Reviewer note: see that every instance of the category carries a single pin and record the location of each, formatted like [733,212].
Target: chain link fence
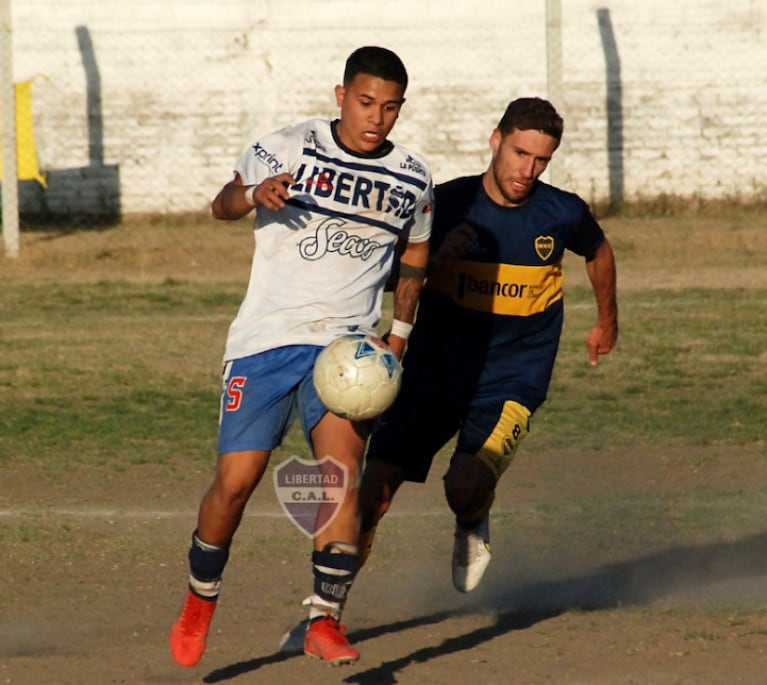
[143,106]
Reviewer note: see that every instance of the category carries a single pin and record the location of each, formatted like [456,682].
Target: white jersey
[321,262]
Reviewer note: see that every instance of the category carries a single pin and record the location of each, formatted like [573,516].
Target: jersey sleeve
[422,218]
[588,234]
[273,154]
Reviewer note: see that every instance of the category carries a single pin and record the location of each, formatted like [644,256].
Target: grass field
[121,359]
[630,539]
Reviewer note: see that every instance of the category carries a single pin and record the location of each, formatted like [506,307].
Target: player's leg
[471,479]
[380,482]
[470,490]
[220,513]
[237,475]
[404,443]
[402,448]
[257,406]
[334,559]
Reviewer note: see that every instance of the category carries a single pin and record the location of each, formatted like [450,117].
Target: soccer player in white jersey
[335,201]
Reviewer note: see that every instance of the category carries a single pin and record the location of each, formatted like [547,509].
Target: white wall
[179,87]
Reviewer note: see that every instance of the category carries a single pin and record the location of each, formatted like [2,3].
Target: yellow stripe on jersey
[500,448]
[504,289]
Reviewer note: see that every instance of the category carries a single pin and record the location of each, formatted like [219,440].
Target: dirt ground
[94,567]
[96,574]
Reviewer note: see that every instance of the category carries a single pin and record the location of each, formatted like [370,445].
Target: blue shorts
[262,394]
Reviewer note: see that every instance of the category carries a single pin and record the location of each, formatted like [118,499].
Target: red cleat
[189,632]
[325,640]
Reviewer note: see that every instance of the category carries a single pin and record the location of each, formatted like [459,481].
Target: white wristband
[250,195]
[401,329]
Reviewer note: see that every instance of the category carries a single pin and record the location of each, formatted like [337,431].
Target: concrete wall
[145,104]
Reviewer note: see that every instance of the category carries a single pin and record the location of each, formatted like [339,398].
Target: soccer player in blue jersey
[480,357]
[334,202]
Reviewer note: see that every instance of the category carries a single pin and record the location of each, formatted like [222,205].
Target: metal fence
[141,106]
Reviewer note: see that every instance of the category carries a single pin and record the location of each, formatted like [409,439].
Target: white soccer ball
[357,376]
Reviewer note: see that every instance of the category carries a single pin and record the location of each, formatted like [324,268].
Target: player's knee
[231,489]
[469,487]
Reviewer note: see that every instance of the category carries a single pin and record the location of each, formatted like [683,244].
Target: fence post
[10,190]
[554,75]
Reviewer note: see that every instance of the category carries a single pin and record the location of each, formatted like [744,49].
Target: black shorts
[421,422]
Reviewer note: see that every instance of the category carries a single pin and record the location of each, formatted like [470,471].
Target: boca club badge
[310,492]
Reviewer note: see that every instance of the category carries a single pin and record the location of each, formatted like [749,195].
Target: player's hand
[272,193]
[454,246]
[601,340]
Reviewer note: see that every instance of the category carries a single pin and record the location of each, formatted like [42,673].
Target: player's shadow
[243,667]
[635,582]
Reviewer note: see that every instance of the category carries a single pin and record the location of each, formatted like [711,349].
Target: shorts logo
[310,492]
[234,388]
[544,246]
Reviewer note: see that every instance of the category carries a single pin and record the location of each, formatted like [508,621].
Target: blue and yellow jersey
[492,320]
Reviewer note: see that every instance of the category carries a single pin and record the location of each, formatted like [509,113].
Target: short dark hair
[378,62]
[538,114]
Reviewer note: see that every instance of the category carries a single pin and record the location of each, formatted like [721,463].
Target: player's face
[519,158]
[369,109]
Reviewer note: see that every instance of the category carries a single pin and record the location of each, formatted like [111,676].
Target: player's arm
[412,271]
[602,274]
[236,199]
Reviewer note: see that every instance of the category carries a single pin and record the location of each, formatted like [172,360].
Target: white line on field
[86,513]
[632,305]
[196,318]
[110,513]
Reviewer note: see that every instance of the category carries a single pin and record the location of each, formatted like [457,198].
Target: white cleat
[292,642]
[471,554]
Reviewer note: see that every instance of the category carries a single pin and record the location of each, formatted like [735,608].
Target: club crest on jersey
[310,492]
[544,246]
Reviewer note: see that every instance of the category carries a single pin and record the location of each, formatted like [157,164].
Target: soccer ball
[357,376]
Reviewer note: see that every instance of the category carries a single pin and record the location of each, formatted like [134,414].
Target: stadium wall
[144,105]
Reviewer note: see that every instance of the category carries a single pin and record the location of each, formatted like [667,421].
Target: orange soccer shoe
[189,632]
[325,640]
